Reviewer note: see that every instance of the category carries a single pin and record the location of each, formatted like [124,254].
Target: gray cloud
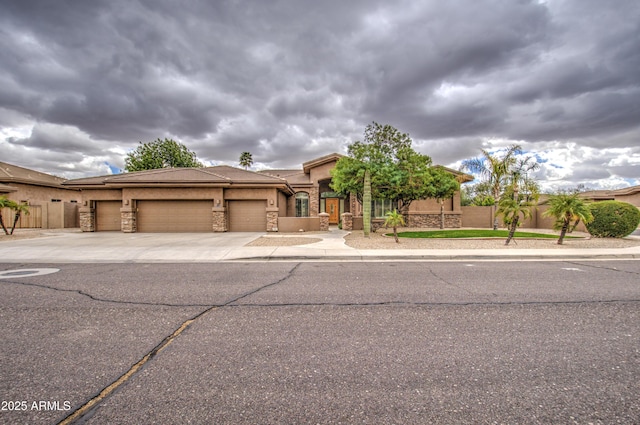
[291,80]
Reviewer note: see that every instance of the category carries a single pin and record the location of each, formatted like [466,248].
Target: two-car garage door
[196,216]
[175,216]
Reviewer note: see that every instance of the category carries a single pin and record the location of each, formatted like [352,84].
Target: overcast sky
[82,82]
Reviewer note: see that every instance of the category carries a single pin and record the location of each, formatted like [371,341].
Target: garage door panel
[247,216]
[175,216]
[108,216]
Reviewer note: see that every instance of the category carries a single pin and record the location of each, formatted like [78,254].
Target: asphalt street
[321,342]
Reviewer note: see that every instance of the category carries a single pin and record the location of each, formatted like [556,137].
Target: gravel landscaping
[283,241]
[379,240]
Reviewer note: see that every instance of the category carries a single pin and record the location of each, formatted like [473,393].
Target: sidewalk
[116,247]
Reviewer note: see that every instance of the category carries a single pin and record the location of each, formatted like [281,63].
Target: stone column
[87,219]
[347,221]
[324,222]
[219,219]
[128,218]
[272,219]
[314,201]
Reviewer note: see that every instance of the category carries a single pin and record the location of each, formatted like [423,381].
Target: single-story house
[51,205]
[630,195]
[224,198]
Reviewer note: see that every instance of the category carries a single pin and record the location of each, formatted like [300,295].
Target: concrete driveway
[117,247]
[63,247]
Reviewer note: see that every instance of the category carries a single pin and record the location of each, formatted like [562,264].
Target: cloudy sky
[82,82]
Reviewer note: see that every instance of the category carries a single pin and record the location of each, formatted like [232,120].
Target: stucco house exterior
[630,195]
[224,198]
[51,205]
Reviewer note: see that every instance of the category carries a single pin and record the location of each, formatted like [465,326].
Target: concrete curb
[435,257]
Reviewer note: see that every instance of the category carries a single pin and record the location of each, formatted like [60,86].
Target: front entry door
[333,208]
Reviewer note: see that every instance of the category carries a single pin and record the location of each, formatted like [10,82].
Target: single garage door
[108,216]
[175,216]
[247,216]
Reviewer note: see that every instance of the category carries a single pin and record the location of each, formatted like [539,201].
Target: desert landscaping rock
[379,240]
[283,241]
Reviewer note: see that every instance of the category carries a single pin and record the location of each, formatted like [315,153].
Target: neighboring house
[51,205]
[630,195]
[224,198]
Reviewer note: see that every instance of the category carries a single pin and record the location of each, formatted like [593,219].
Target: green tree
[478,194]
[512,209]
[19,209]
[246,160]
[160,154]
[394,219]
[444,187]
[397,171]
[496,171]
[366,199]
[4,203]
[568,209]
[613,219]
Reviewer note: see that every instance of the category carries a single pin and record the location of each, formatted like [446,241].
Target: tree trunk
[573,226]
[366,204]
[15,221]
[563,231]
[6,232]
[512,229]
[442,213]
[495,215]
[395,234]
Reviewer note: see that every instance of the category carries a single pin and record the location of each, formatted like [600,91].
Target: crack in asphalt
[105,300]
[594,266]
[437,304]
[442,279]
[85,411]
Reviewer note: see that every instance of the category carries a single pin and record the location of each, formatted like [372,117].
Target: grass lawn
[473,233]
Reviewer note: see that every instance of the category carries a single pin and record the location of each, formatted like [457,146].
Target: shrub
[613,219]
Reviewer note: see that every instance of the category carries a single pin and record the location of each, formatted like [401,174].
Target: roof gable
[332,157]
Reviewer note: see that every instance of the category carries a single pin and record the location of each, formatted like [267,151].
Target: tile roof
[221,174]
[607,193]
[292,176]
[13,174]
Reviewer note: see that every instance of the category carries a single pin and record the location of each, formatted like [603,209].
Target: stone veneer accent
[353,202]
[324,222]
[272,219]
[128,220]
[219,219]
[451,220]
[347,221]
[314,201]
[87,219]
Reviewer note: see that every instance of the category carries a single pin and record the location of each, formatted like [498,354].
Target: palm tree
[4,203]
[366,204]
[568,209]
[394,219]
[246,159]
[512,208]
[19,209]
[495,170]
